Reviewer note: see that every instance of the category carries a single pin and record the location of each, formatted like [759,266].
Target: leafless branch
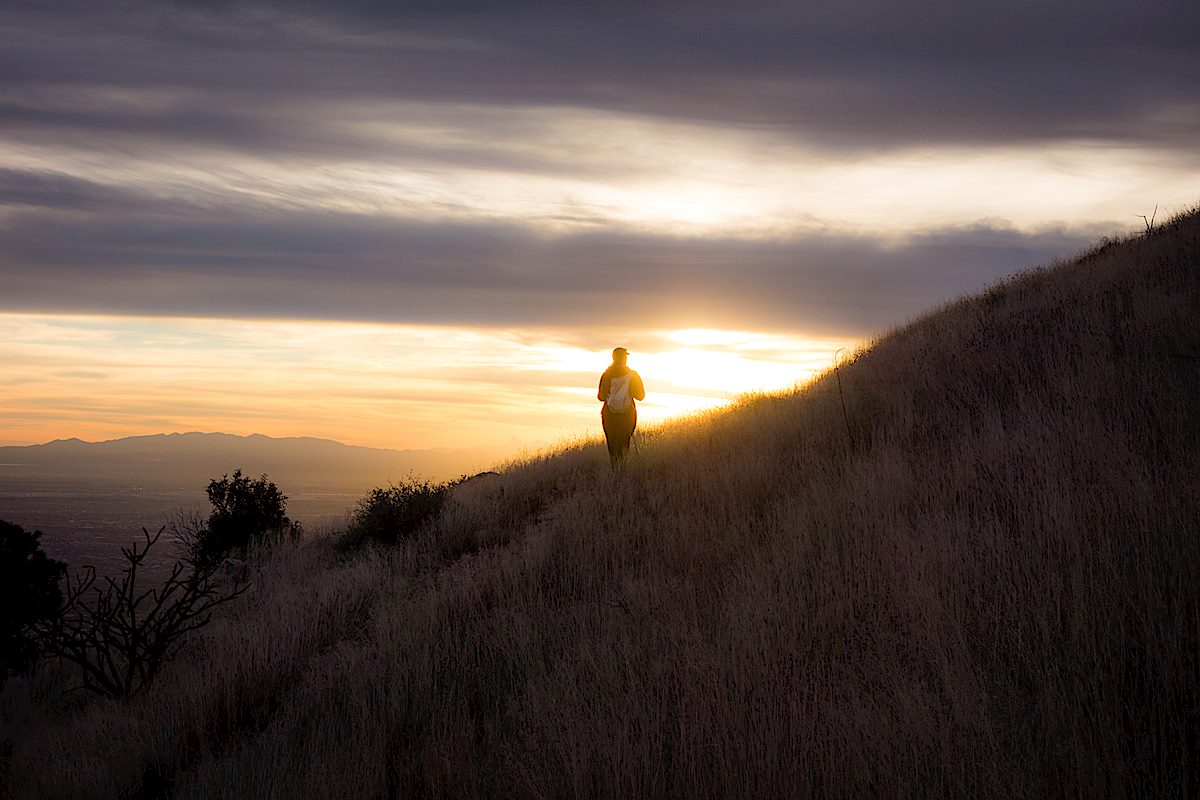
[1150,222]
[123,636]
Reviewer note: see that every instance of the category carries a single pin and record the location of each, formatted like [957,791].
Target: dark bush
[29,594]
[395,513]
[245,511]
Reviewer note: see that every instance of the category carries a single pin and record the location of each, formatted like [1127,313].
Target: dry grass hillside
[989,586]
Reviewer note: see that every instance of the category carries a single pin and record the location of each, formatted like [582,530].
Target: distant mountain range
[190,460]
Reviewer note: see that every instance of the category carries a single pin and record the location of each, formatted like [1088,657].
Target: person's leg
[612,436]
[629,425]
[624,433]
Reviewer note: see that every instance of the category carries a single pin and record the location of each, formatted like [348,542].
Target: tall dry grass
[994,592]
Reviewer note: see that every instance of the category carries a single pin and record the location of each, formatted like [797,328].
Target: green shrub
[245,511]
[29,593]
[395,513]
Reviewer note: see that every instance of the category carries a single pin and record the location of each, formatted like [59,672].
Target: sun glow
[703,336]
[717,366]
[397,386]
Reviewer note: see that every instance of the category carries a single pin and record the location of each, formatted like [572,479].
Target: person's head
[620,356]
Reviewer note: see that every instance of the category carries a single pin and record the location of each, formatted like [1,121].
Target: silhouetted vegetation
[245,512]
[29,595]
[388,515]
[119,636]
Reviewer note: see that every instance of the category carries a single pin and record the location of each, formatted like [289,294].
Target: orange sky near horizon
[424,226]
[398,386]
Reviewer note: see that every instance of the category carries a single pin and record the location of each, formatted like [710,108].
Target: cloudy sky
[420,224]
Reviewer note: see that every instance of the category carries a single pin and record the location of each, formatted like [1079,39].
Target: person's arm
[638,389]
[605,386]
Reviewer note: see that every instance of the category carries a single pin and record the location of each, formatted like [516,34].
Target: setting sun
[721,365]
[384,385]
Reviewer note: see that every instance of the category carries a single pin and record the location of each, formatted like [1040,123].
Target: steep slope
[980,580]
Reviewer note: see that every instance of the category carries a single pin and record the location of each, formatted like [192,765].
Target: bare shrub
[119,636]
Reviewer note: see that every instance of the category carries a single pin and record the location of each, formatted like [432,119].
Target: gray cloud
[844,76]
[275,80]
[143,257]
[25,188]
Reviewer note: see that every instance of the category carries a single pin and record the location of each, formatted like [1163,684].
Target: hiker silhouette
[620,387]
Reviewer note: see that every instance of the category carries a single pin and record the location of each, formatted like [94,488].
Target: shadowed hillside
[983,581]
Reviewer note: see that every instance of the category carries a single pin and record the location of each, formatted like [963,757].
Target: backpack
[619,399]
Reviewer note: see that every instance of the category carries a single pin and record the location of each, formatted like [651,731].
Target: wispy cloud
[140,259]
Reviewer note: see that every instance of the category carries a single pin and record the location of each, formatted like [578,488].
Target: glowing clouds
[564,170]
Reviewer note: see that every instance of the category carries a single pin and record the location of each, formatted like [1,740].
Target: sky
[427,224]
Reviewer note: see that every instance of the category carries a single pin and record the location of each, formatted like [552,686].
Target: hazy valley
[91,498]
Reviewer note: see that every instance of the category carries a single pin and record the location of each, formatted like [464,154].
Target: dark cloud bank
[145,256]
[854,74]
[849,77]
